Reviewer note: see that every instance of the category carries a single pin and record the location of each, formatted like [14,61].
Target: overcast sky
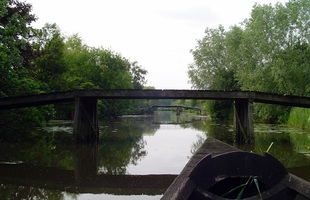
[158,34]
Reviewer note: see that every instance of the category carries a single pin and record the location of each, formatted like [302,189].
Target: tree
[214,66]
[15,30]
[268,52]
[50,63]
[16,58]
[274,53]
[275,37]
[138,75]
[98,68]
[41,60]
[209,57]
[16,52]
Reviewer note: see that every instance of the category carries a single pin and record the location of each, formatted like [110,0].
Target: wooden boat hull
[236,174]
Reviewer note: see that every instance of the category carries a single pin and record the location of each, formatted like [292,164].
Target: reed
[299,117]
[249,182]
[242,187]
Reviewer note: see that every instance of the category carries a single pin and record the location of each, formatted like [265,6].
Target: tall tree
[16,58]
[138,75]
[92,68]
[50,61]
[210,62]
[215,66]
[268,52]
[275,37]
[16,52]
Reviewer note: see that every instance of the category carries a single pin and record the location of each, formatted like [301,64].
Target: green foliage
[43,60]
[138,75]
[268,52]
[16,57]
[271,113]
[50,62]
[215,66]
[221,110]
[15,32]
[15,49]
[98,68]
[212,70]
[299,117]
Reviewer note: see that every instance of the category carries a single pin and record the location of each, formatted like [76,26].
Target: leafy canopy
[268,52]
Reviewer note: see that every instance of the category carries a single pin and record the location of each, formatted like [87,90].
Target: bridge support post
[243,121]
[86,127]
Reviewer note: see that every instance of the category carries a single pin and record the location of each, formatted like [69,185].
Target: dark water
[45,164]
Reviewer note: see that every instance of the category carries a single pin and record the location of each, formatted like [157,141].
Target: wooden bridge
[178,109]
[86,116]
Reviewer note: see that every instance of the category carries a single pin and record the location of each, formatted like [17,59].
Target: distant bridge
[178,109]
[86,116]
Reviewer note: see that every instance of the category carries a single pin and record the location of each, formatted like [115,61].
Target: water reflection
[122,143]
[168,150]
[169,117]
[45,164]
[8,191]
[290,146]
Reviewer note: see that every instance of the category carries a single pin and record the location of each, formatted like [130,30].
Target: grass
[299,117]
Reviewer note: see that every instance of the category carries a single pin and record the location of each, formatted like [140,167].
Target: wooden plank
[298,184]
[210,146]
[36,100]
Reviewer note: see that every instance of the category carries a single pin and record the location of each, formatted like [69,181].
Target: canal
[131,145]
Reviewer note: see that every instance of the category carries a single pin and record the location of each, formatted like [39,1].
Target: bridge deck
[69,96]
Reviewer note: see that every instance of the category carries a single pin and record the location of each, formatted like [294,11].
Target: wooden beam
[86,127]
[243,121]
[58,97]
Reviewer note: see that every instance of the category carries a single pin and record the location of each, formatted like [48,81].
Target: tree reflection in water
[121,144]
[8,191]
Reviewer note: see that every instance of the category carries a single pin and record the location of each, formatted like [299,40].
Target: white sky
[157,33]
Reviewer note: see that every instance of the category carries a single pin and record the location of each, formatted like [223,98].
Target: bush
[221,110]
[300,117]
